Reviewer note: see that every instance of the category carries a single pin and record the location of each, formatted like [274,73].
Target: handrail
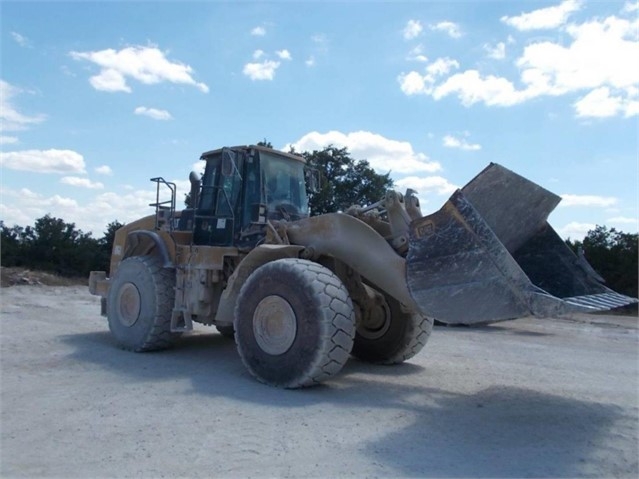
[160,206]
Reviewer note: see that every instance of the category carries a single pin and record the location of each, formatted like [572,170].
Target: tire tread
[337,329]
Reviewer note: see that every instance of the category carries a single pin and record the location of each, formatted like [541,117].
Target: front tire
[395,335]
[294,323]
[139,304]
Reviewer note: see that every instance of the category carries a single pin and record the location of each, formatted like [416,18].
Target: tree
[12,241]
[60,247]
[614,255]
[345,181]
[106,245]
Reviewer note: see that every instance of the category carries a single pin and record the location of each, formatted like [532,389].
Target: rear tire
[399,337]
[294,323]
[140,302]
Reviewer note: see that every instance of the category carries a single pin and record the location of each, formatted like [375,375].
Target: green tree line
[613,254]
[56,246]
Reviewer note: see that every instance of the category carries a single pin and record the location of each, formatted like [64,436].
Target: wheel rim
[274,325]
[376,323]
[129,304]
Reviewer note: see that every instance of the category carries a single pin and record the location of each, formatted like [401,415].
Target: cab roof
[292,156]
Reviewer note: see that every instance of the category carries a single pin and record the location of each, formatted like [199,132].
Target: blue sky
[98,97]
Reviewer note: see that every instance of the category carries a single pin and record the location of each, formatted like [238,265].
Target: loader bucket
[489,254]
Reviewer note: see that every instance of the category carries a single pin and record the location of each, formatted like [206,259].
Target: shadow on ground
[495,432]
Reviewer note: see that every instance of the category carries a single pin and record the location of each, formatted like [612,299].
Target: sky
[98,97]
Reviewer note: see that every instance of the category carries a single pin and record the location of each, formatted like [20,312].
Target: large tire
[394,338]
[294,323]
[139,304]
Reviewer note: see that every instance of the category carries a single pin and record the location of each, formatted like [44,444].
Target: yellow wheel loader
[300,294]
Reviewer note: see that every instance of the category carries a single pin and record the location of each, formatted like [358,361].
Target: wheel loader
[302,293]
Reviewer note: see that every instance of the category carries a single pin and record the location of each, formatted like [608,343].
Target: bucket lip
[601,301]
[499,167]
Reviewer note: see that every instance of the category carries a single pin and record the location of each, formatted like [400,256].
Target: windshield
[284,186]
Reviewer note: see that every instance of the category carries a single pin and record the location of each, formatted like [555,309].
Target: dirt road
[526,398]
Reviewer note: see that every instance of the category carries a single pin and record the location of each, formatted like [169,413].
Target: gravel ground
[525,398]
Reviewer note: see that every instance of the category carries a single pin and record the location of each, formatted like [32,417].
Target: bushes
[613,255]
[56,246]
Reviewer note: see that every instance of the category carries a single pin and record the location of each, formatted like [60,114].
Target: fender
[357,245]
[140,242]
[139,238]
[257,257]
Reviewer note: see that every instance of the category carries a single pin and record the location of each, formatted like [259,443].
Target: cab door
[217,215]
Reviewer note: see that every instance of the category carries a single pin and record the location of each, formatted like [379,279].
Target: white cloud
[544,18]
[148,65]
[81,182]
[497,52]
[599,103]
[8,140]
[258,31]
[600,60]
[44,161]
[412,29]
[104,170]
[428,184]
[261,71]
[471,88]
[110,80]
[257,54]
[310,61]
[450,141]
[442,66]
[630,7]
[575,230]
[603,53]
[24,207]
[10,118]
[417,54]
[450,28]
[382,153]
[21,40]
[283,54]
[414,83]
[153,113]
[587,200]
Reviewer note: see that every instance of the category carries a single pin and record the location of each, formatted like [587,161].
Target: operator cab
[242,188]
